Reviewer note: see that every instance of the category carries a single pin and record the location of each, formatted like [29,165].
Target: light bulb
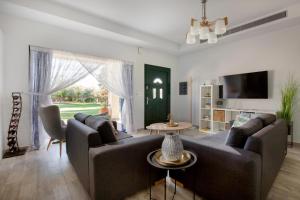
[203,33]
[195,27]
[220,27]
[190,39]
[212,38]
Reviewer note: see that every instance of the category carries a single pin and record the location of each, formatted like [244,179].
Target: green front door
[157,94]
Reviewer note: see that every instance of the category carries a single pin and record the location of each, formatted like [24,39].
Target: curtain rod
[81,54]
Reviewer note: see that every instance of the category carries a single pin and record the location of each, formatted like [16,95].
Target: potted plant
[288,103]
[104,109]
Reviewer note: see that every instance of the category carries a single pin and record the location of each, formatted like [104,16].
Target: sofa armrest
[79,138]
[222,172]
[121,169]
[271,143]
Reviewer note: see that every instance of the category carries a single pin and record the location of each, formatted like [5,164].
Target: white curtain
[40,64]
[116,76]
[50,71]
[66,70]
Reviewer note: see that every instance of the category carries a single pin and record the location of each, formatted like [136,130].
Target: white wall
[1,93]
[277,52]
[20,33]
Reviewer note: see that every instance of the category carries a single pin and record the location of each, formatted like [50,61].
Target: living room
[152,34]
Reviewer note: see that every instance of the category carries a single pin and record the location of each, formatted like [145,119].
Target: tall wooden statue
[12,138]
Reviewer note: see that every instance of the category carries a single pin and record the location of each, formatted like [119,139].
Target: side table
[163,127]
[154,163]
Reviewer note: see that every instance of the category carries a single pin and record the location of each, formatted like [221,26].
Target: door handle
[147,100]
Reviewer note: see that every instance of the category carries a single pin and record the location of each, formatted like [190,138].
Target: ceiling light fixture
[206,30]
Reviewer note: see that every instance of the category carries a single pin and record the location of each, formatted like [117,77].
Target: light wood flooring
[42,175]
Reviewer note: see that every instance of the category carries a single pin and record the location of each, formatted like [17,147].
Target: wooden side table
[163,127]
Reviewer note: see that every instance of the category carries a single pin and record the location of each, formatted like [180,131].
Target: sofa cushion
[267,119]
[238,136]
[103,126]
[93,121]
[81,117]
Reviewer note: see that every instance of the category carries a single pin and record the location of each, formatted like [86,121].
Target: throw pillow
[115,131]
[267,119]
[238,136]
[241,120]
[103,126]
[107,132]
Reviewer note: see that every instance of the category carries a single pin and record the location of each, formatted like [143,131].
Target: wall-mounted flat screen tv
[246,86]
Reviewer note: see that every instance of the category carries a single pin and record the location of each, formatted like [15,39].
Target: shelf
[204,130]
[219,130]
[206,108]
[207,120]
[221,122]
[206,97]
[244,110]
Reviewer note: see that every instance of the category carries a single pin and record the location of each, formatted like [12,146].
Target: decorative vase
[172,147]
[104,110]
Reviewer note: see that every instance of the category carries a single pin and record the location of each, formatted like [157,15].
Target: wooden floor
[42,175]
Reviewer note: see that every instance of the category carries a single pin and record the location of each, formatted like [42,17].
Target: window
[89,97]
[154,93]
[157,81]
[161,93]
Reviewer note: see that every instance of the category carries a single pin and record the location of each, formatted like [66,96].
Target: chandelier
[206,30]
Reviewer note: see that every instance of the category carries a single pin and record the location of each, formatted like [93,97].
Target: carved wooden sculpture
[12,138]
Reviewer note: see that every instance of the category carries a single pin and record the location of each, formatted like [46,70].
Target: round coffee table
[158,127]
[153,163]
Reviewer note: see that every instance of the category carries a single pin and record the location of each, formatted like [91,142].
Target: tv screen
[246,86]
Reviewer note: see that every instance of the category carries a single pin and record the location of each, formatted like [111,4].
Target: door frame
[168,96]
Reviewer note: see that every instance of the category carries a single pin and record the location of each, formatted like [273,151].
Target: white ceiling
[153,24]
[169,19]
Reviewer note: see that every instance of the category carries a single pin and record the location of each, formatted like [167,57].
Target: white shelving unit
[213,119]
[224,123]
[207,101]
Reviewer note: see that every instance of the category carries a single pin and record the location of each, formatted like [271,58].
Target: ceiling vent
[253,24]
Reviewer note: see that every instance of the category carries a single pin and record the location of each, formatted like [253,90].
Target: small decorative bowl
[186,157]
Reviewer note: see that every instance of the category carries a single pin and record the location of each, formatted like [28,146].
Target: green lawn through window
[67,110]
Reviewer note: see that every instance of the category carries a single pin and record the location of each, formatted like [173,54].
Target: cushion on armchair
[238,136]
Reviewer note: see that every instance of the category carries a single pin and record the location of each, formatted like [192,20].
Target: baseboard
[295,144]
